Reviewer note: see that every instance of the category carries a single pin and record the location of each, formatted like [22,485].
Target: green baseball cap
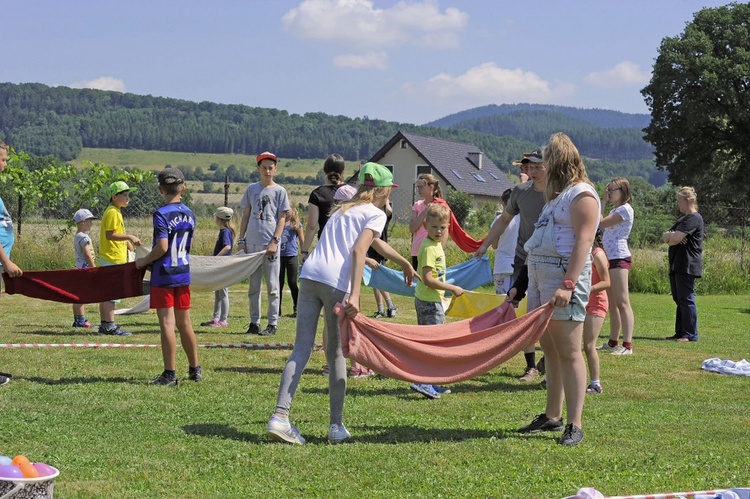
[118,187]
[377,175]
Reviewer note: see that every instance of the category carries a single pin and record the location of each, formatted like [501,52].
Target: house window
[478,177]
[390,168]
[458,175]
[404,145]
[494,176]
[426,169]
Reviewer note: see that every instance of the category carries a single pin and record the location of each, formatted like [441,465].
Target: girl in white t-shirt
[333,274]
[617,226]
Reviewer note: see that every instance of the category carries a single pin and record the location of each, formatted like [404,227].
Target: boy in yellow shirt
[114,244]
[428,297]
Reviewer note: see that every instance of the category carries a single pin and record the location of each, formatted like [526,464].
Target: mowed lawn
[662,424]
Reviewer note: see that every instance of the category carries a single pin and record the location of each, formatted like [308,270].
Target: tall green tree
[699,96]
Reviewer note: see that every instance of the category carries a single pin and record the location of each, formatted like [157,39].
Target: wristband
[241,240]
[305,252]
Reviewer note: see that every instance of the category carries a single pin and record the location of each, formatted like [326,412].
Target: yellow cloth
[112,251]
[471,304]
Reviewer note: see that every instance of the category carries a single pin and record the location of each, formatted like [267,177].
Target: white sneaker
[606,346]
[338,433]
[621,350]
[279,429]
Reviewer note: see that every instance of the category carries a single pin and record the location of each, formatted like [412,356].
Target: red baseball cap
[266,155]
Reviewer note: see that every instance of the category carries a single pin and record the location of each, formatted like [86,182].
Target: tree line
[44,120]
[60,121]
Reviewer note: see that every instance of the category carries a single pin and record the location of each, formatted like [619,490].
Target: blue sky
[410,61]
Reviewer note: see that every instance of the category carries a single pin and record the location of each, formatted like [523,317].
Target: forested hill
[604,118]
[44,120]
[598,133]
[538,125]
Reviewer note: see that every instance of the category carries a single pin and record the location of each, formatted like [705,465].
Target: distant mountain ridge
[601,117]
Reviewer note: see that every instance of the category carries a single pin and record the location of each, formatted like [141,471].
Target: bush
[460,204]
[481,218]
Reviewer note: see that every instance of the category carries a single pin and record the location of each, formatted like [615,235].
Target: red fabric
[445,353]
[91,285]
[463,240]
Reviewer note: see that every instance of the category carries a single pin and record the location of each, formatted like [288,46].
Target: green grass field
[661,424]
[156,160]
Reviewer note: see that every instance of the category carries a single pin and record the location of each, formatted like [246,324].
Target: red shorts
[598,304]
[179,297]
[621,263]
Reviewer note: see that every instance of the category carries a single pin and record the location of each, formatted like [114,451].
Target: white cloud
[488,84]
[358,24]
[370,60]
[102,83]
[625,73]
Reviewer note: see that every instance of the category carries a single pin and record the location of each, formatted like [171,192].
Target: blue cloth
[469,275]
[741,368]
[174,222]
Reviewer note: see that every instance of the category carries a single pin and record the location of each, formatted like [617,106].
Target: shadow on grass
[221,431]
[742,310]
[399,434]
[82,380]
[251,370]
[85,335]
[404,392]
[659,338]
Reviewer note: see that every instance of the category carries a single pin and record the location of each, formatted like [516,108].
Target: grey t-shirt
[266,205]
[80,240]
[527,201]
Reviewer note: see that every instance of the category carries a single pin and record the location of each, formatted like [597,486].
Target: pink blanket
[441,354]
[92,285]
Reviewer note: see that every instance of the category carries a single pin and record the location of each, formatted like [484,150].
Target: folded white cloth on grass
[207,273]
[741,368]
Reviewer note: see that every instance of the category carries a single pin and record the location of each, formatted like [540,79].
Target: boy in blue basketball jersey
[169,259]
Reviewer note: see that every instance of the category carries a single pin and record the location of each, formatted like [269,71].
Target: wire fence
[723,221]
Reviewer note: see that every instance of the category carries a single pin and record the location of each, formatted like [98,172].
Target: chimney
[476,159]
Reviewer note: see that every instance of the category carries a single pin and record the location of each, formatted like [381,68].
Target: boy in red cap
[265,205]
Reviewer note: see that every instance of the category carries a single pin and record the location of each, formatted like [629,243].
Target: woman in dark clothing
[685,240]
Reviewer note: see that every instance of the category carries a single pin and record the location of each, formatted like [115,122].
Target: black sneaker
[4,380]
[268,331]
[542,423]
[392,312]
[163,380]
[378,315]
[253,329]
[195,374]
[115,331]
[572,435]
